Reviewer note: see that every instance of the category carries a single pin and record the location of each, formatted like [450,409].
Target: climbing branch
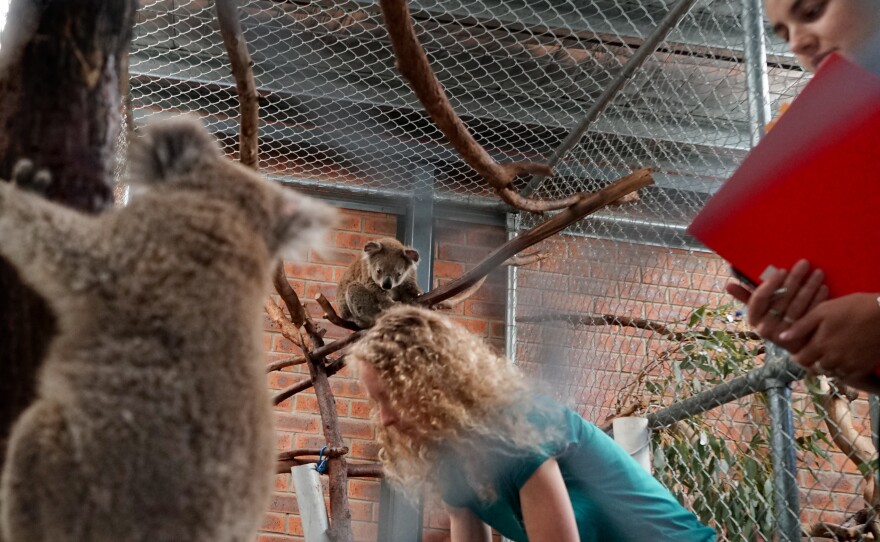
[513,261]
[586,205]
[242,72]
[661,329]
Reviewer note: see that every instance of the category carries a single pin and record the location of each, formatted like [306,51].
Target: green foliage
[726,479]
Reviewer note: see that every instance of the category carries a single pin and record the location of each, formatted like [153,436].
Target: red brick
[284,503]
[282,482]
[279,380]
[482,309]
[355,241]
[273,522]
[446,232]
[308,271]
[364,532]
[356,429]
[278,538]
[486,236]
[365,490]
[361,510]
[297,422]
[365,449]
[474,325]
[462,253]
[360,409]
[306,402]
[382,226]
[444,269]
[348,221]
[333,256]
[308,441]
[347,388]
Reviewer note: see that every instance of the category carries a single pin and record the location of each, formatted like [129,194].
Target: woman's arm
[465,526]
[546,506]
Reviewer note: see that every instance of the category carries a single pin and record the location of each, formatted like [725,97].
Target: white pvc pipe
[310,499]
[633,435]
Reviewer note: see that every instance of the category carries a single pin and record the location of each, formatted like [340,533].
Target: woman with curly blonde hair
[456,419]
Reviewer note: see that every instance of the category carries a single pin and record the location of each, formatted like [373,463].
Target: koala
[152,420]
[385,274]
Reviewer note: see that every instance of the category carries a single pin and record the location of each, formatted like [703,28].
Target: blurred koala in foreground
[384,274]
[153,421]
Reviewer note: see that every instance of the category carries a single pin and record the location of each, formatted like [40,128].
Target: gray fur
[385,274]
[153,421]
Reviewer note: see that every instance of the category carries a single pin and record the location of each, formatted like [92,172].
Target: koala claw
[26,175]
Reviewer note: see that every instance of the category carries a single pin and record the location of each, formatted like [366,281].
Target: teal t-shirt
[613,497]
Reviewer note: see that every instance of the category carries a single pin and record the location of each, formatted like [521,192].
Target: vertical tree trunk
[62,65]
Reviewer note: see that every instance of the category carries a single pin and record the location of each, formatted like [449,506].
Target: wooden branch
[366,470]
[306,383]
[353,470]
[625,321]
[288,295]
[412,62]
[299,452]
[513,261]
[331,315]
[288,330]
[857,448]
[286,362]
[338,345]
[835,532]
[249,105]
[287,393]
[586,205]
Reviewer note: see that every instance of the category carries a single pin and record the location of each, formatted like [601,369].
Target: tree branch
[288,330]
[288,295]
[249,105]
[584,206]
[299,452]
[412,62]
[625,321]
[857,448]
[286,362]
[513,261]
[331,315]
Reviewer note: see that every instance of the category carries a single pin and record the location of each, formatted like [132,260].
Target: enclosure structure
[597,89]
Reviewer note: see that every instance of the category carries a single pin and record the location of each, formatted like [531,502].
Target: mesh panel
[522,75]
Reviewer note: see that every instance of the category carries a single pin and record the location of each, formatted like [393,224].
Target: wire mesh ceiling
[522,75]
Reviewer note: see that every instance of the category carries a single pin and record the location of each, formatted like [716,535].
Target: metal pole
[782,450]
[513,223]
[773,371]
[646,48]
[400,520]
[755,57]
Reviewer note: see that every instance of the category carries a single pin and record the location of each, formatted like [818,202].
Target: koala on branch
[384,274]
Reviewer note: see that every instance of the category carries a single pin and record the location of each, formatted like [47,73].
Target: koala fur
[384,274]
[152,420]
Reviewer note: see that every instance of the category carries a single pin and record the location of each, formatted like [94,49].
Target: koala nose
[386,283]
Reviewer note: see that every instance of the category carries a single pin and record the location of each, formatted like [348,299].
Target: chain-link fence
[336,117]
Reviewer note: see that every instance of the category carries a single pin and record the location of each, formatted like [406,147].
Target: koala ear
[372,247]
[303,221]
[412,254]
[169,148]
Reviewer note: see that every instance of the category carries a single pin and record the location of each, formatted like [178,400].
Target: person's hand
[781,300]
[841,337]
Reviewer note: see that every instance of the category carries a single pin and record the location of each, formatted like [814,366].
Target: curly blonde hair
[453,390]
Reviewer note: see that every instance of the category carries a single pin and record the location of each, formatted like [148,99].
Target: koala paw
[25,175]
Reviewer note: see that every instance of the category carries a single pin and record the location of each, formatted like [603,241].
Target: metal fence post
[782,450]
[755,57]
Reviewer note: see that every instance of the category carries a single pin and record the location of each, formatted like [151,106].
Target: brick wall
[583,366]
[457,247]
